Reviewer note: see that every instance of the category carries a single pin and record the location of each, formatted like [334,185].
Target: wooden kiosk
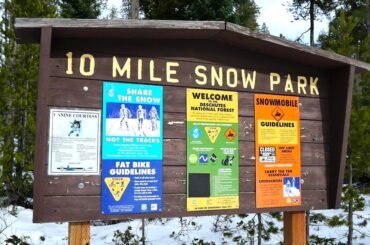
[76,56]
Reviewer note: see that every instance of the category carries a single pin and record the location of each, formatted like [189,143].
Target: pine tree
[246,14]
[243,12]
[340,38]
[348,36]
[310,10]
[82,9]
[18,83]
[248,228]
[264,29]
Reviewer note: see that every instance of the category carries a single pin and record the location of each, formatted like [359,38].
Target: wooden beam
[340,98]
[73,208]
[79,233]
[294,228]
[42,120]
[117,23]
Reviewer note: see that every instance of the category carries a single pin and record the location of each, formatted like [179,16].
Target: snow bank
[159,231]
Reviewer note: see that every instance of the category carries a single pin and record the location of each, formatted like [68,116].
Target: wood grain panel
[198,51]
[174,181]
[70,92]
[311,131]
[70,208]
[186,75]
[311,154]
[77,198]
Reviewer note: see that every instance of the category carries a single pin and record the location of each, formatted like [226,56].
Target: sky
[278,19]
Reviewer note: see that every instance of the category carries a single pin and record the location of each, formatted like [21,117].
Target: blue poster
[132,148]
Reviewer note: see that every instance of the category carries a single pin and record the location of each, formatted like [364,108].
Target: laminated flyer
[74,142]
[212,150]
[132,148]
[278,151]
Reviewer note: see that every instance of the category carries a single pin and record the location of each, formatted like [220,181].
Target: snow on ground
[159,231]
[340,233]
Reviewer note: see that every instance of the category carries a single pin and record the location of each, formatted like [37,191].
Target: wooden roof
[28,31]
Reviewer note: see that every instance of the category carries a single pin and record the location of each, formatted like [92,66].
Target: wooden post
[79,233]
[294,228]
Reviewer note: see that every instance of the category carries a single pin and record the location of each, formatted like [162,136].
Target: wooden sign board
[77,56]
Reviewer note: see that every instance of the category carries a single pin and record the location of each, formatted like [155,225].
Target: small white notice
[74,142]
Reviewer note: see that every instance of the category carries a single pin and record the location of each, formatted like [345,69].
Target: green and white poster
[212,150]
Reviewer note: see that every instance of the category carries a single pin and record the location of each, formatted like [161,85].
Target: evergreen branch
[300,37]
[361,232]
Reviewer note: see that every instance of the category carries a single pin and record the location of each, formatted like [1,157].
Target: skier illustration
[75,128]
[153,115]
[288,188]
[140,115]
[124,115]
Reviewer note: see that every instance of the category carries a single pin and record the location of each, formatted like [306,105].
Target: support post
[294,228]
[79,233]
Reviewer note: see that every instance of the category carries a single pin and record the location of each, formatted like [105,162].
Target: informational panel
[209,151]
[278,151]
[212,150]
[132,148]
[74,142]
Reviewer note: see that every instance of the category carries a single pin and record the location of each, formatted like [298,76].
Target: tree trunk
[134,12]
[368,20]
[251,242]
[312,22]
[259,229]
[308,227]
[143,231]
[6,137]
[350,205]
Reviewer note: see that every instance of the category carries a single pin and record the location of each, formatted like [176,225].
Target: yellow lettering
[152,75]
[69,70]
[140,69]
[126,69]
[91,69]
[234,82]
[288,84]
[199,71]
[249,80]
[274,80]
[216,77]
[302,84]
[170,71]
[313,86]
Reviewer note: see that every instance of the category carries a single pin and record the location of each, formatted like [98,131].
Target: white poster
[74,142]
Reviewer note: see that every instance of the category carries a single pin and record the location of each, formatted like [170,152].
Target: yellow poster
[211,106]
[278,149]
